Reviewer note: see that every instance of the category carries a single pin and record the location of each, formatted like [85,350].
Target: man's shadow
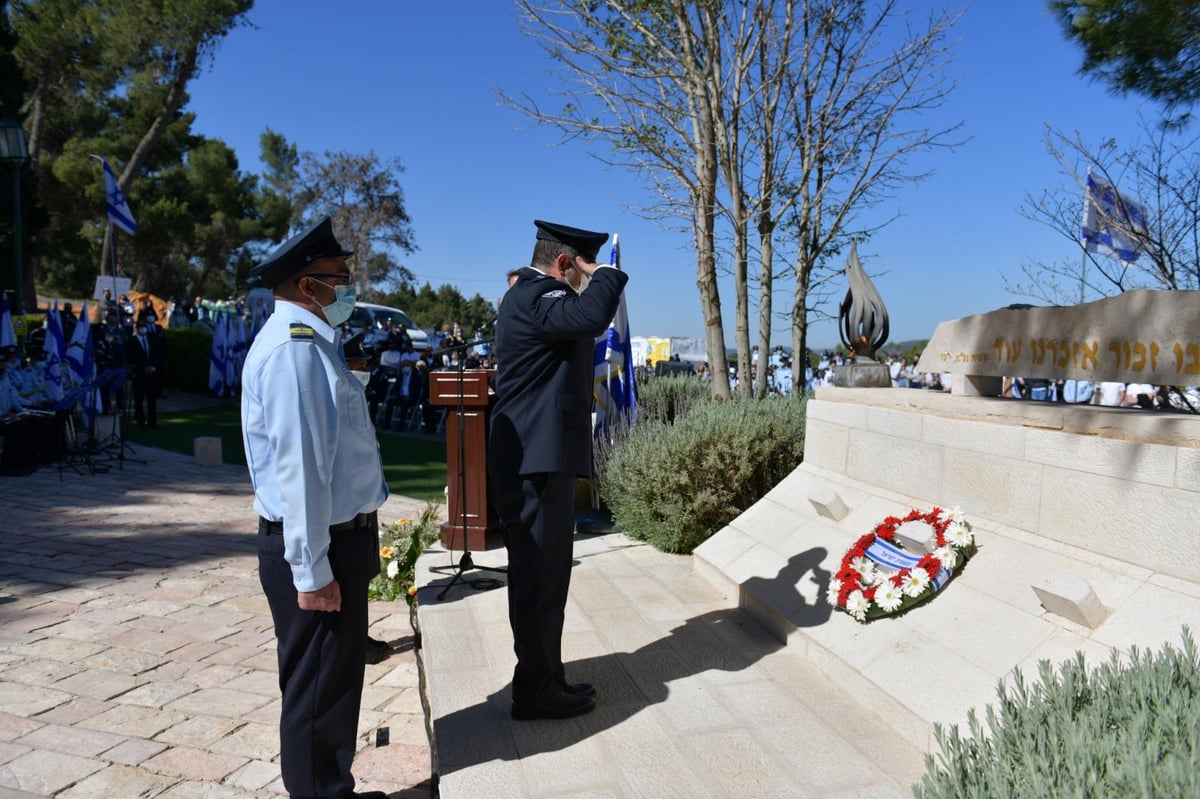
[629,682]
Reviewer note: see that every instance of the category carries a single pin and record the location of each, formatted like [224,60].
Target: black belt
[357,523]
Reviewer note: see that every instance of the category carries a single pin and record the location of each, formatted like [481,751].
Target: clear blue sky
[418,81]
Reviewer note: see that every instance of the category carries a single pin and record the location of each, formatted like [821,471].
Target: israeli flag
[80,353]
[1113,224]
[231,365]
[216,361]
[613,391]
[7,337]
[114,200]
[56,349]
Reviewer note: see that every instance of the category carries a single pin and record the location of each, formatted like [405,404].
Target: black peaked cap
[586,242]
[297,252]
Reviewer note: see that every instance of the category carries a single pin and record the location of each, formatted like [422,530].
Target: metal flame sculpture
[862,319]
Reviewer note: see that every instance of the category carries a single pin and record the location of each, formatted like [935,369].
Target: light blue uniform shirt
[310,444]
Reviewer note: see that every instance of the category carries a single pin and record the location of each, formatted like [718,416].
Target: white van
[374,318]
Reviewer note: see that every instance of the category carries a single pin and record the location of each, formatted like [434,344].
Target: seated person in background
[1139,395]
[404,394]
[1112,394]
[1077,391]
[19,455]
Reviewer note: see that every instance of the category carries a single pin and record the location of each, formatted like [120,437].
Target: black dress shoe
[370,795]
[377,650]
[561,706]
[580,689]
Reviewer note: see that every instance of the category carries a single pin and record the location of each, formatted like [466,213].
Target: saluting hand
[327,598]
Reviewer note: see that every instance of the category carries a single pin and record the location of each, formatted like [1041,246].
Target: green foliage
[1124,729]
[439,309]
[400,544]
[188,351]
[665,398]
[674,485]
[1150,47]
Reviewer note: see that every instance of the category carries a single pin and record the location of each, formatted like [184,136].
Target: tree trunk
[176,94]
[765,281]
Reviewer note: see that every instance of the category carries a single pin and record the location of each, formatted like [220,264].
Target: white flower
[958,535]
[865,568]
[889,597]
[393,569]
[835,588]
[857,605]
[953,515]
[915,582]
[947,557]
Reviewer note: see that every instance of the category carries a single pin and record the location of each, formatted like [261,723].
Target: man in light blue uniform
[318,482]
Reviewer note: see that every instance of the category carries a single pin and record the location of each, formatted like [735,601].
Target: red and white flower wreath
[879,578]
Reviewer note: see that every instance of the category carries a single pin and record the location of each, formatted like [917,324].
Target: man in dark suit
[145,356]
[541,436]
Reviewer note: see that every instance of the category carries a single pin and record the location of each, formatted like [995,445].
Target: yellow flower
[412,590]
[403,522]
[385,552]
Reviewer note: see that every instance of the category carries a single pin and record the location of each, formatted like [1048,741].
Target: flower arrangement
[400,544]
[879,578]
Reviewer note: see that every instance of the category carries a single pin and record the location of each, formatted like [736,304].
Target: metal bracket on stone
[1072,598]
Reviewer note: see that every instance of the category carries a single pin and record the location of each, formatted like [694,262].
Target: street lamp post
[14,153]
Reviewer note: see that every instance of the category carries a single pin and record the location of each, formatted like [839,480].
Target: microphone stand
[465,562]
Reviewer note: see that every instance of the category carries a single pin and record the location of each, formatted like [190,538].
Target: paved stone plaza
[137,656]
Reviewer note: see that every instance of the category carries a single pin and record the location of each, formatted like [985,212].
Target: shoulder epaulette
[301,331]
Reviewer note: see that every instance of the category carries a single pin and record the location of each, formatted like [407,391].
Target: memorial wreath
[878,577]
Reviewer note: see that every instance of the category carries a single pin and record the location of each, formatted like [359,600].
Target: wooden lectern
[467,398]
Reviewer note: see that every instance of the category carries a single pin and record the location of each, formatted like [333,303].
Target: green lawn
[413,467]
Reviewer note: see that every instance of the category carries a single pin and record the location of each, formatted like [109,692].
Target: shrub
[1121,730]
[665,398]
[188,351]
[674,485]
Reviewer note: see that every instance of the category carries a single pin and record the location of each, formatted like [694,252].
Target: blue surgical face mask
[342,306]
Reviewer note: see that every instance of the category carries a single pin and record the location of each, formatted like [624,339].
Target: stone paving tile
[11,751]
[199,731]
[46,773]
[122,660]
[97,684]
[74,711]
[133,751]
[155,694]
[255,775]
[39,672]
[142,722]
[119,781]
[26,700]
[194,764]
[218,701]
[71,740]
[255,741]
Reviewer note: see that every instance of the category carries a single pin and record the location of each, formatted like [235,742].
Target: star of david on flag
[114,200]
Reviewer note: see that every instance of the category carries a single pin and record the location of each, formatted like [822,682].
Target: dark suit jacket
[545,336]
[138,359]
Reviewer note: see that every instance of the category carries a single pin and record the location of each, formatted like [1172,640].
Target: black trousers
[145,399]
[536,513]
[322,657]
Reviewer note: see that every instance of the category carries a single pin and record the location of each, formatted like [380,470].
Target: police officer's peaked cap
[586,242]
[297,252]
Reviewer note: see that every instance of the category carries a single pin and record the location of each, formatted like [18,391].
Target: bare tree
[803,100]
[636,76]
[1162,173]
[863,88]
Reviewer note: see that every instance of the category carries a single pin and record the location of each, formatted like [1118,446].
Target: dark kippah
[586,242]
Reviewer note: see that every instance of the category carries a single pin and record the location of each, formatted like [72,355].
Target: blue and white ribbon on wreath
[886,554]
